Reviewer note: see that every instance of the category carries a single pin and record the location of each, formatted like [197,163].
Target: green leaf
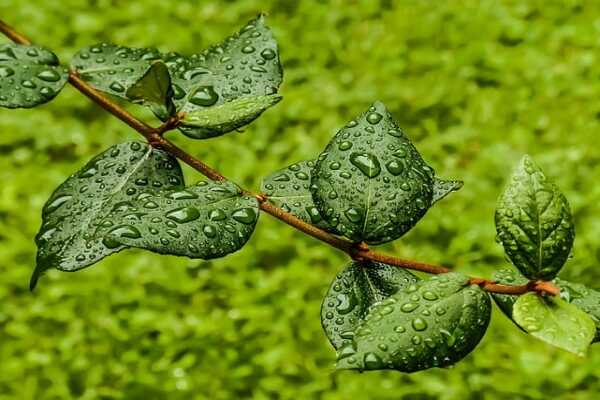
[370,183]
[555,321]
[288,188]
[245,65]
[29,76]
[354,290]
[586,299]
[115,69]
[134,196]
[534,223]
[442,188]
[231,115]
[154,90]
[433,323]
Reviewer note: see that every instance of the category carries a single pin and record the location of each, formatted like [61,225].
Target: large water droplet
[204,96]
[123,231]
[419,324]
[374,118]
[245,215]
[49,75]
[183,214]
[367,163]
[5,72]
[395,167]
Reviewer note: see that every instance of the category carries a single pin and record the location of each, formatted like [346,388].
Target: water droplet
[5,72]
[248,49]
[353,215]
[419,324]
[183,214]
[117,87]
[122,231]
[395,167]
[367,163]
[345,145]
[56,203]
[49,75]
[409,307]
[204,96]
[268,54]
[374,118]
[209,231]
[217,215]
[245,215]
[372,361]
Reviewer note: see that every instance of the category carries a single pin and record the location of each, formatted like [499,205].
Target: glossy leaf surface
[29,76]
[134,196]
[555,321]
[353,291]
[534,223]
[433,323]
[289,189]
[585,298]
[113,69]
[245,65]
[370,183]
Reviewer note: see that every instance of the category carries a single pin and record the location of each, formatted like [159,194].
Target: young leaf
[354,290]
[433,323]
[29,76]
[288,188]
[534,223]
[154,90]
[231,115]
[586,299]
[370,183]
[133,195]
[442,188]
[244,65]
[114,69]
[555,321]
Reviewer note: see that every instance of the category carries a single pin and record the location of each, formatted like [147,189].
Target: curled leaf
[353,291]
[433,323]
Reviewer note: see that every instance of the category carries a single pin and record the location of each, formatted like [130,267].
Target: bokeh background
[476,84]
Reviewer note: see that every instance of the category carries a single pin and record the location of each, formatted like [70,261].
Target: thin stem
[358,251]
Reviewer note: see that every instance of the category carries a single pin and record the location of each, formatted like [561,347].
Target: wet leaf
[534,223]
[586,299]
[245,65]
[132,195]
[354,290]
[154,90]
[115,69]
[555,321]
[442,188]
[433,323]
[288,188]
[231,115]
[370,183]
[29,76]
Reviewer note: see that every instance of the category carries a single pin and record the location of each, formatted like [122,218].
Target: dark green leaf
[370,183]
[288,188]
[231,115]
[133,196]
[29,76]
[113,69]
[534,223]
[354,290]
[244,65]
[154,90]
[588,300]
[555,321]
[442,188]
[433,323]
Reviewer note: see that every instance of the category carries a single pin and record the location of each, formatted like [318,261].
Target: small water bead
[409,307]
[343,146]
[268,54]
[210,231]
[28,84]
[374,118]
[117,87]
[248,49]
[217,215]
[419,324]
[5,72]
[353,215]
[122,231]
[394,167]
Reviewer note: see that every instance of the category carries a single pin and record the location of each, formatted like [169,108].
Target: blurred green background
[476,84]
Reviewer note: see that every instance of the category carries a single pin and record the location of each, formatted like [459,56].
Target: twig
[358,251]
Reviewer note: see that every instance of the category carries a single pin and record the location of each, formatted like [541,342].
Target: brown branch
[358,251]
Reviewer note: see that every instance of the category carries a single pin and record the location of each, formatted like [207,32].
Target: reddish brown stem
[358,251]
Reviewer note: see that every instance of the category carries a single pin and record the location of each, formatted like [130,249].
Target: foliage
[492,75]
